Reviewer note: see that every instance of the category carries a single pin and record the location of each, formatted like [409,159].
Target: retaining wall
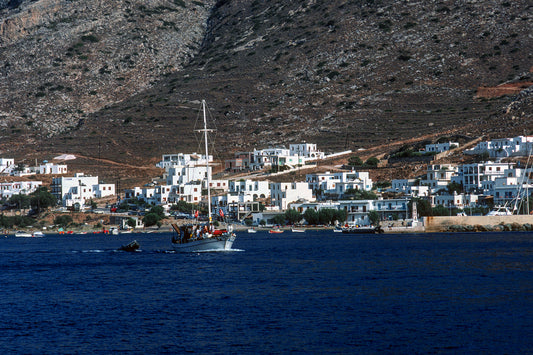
[441,224]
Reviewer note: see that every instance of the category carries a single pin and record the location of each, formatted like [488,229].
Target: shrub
[63,220]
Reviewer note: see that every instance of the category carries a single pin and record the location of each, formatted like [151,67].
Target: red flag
[196,214]
[221,213]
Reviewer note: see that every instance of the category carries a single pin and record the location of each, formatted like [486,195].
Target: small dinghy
[132,246]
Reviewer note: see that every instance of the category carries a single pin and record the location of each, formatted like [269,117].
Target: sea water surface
[312,292]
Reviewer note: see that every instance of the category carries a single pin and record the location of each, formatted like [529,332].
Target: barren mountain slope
[62,60]
[343,74]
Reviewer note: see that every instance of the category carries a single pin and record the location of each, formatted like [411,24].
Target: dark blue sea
[313,292]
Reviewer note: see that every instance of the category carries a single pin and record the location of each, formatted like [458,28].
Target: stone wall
[441,224]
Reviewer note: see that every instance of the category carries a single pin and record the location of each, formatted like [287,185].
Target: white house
[478,176]
[265,158]
[409,187]
[513,186]
[184,174]
[51,168]
[284,193]
[441,147]
[7,165]
[8,189]
[181,159]
[454,200]
[336,184]
[79,189]
[438,176]
[240,197]
[306,150]
[167,194]
[357,211]
[504,147]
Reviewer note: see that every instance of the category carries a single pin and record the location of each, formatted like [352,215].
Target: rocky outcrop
[63,60]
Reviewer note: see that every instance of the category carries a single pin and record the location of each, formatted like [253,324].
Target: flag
[221,213]
[196,214]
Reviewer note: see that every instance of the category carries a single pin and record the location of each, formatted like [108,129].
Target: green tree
[441,210]
[151,219]
[372,162]
[340,216]
[374,217]
[455,187]
[293,216]
[182,206]
[355,161]
[131,222]
[423,207]
[21,201]
[158,210]
[279,219]
[63,220]
[326,215]
[357,194]
[311,216]
[262,222]
[41,199]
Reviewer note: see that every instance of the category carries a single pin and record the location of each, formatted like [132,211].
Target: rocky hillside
[123,80]
[62,60]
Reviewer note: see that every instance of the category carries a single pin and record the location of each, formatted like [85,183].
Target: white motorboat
[500,211]
[193,238]
[22,234]
[37,234]
[297,230]
[251,230]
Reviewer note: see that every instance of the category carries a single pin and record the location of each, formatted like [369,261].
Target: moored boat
[251,230]
[297,230]
[37,234]
[275,231]
[23,234]
[362,230]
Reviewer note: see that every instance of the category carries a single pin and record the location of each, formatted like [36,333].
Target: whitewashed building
[79,189]
[480,176]
[441,147]
[51,168]
[8,189]
[454,200]
[284,193]
[241,195]
[512,187]
[266,158]
[504,147]
[357,211]
[410,187]
[184,174]
[181,159]
[307,150]
[7,165]
[335,185]
[438,176]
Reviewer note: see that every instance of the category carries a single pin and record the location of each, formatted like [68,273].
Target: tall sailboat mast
[207,165]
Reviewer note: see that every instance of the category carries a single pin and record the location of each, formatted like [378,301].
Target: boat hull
[23,235]
[362,230]
[218,243]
